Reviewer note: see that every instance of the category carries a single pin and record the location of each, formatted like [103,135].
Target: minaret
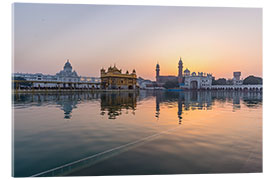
[180,71]
[157,72]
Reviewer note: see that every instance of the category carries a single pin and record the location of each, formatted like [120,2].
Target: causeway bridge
[255,87]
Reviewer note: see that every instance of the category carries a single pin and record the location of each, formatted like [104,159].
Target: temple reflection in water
[185,101]
[67,103]
[113,105]
[203,100]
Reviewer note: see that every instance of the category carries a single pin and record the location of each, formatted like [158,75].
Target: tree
[252,80]
[171,84]
[220,81]
[229,82]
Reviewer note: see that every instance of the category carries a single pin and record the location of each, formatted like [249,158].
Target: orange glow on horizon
[211,40]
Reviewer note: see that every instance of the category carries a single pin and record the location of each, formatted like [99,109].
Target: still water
[147,132]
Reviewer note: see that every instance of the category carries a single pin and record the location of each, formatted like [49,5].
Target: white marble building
[197,81]
[64,78]
[67,74]
[236,78]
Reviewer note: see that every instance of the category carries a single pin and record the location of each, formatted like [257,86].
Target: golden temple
[115,79]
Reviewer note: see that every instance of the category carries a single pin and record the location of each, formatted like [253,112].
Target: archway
[193,85]
[130,87]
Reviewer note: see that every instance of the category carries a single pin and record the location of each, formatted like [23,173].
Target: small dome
[187,71]
[67,65]
[157,66]
[193,74]
[75,73]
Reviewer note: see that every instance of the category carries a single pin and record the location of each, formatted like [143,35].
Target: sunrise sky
[212,40]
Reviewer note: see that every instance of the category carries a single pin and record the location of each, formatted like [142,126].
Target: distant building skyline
[215,40]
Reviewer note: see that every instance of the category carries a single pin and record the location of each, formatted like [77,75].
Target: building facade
[197,81]
[163,79]
[194,80]
[236,78]
[67,74]
[64,79]
[115,79]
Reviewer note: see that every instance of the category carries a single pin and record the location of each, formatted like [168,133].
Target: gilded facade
[115,79]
